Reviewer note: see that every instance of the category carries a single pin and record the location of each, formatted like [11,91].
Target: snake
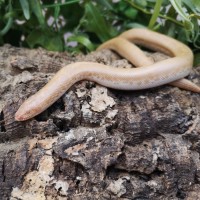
[146,74]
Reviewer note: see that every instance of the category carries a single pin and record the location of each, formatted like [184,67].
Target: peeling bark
[95,142]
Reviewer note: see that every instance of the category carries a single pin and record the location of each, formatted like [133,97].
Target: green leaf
[142,3]
[72,13]
[107,4]
[82,40]
[95,22]
[48,40]
[135,25]
[56,12]
[196,4]
[25,8]
[156,13]
[197,59]
[7,26]
[9,16]
[37,10]
[195,34]
[131,13]
[177,4]
[54,43]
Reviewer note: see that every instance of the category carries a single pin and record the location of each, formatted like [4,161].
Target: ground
[96,142]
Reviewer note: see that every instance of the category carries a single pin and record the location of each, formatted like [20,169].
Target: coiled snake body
[146,75]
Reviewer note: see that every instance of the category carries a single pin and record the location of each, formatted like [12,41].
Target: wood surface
[94,142]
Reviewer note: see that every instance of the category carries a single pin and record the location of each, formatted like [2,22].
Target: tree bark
[95,142]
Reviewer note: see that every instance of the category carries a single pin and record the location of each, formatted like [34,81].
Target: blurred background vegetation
[81,25]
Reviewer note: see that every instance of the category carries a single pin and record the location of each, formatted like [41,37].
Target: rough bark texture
[94,142]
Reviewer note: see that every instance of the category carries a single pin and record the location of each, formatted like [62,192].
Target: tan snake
[147,75]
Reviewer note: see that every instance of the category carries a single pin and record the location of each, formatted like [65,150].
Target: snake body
[137,57]
[147,75]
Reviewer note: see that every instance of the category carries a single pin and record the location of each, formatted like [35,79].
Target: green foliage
[95,23]
[33,23]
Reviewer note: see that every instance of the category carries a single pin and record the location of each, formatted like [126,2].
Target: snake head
[22,115]
[27,110]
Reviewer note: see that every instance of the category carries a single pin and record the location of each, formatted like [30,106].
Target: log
[96,142]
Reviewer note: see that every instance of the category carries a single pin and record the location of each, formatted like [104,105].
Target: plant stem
[149,13]
[60,4]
